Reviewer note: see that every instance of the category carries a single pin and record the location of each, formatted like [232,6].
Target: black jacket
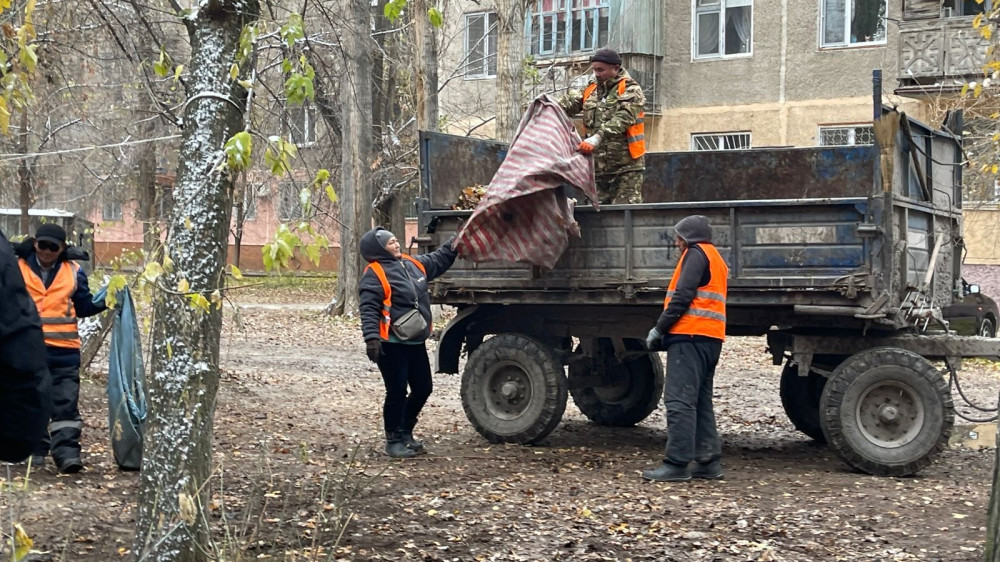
[24,377]
[399,273]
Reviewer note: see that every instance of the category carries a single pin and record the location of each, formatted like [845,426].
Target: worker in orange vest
[691,329]
[59,288]
[24,377]
[395,310]
[612,107]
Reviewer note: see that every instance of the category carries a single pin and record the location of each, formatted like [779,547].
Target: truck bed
[808,233]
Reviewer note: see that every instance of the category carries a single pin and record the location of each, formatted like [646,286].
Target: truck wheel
[800,398]
[628,392]
[987,329]
[887,411]
[513,389]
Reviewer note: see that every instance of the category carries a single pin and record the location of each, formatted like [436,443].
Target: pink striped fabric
[524,216]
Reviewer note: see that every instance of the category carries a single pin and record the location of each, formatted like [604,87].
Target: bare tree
[510,66]
[172,522]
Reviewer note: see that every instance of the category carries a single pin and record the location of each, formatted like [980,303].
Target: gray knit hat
[383,236]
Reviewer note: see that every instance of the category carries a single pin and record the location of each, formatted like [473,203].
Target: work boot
[413,444]
[711,470]
[70,465]
[37,461]
[668,473]
[396,448]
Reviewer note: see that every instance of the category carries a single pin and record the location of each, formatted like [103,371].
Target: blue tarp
[126,385]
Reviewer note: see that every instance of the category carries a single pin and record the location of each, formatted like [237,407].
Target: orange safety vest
[55,303]
[707,314]
[383,326]
[636,133]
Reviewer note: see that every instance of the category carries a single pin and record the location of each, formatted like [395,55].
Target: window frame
[846,44]
[853,131]
[721,10]
[487,16]
[113,202]
[719,137]
[309,113]
[564,10]
[960,3]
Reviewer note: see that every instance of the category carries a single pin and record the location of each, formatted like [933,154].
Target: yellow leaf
[977,21]
[234,71]
[978,90]
[986,32]
[965,90]
[187,223]
[22,543]
[4,112]
[432,512]
[237,274]
[177,72]
[170,351]
[168,264]
[183,286]
[995,168]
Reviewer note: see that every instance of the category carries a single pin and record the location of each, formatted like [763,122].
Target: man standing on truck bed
[612,106]
[692,328]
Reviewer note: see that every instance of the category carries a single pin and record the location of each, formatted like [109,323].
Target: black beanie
[51,232]
[606,55]
[383,236]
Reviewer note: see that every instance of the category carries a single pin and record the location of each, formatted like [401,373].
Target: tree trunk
[24,175]
[172,521]
[355,174]
[992,553]
[510,69]
[427,74]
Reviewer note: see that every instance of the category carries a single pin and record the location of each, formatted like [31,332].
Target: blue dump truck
[841,256]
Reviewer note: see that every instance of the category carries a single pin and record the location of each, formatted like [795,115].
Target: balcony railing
[940,48]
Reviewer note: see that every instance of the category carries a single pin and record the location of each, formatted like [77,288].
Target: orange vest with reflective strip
[383,326]
[636,133]
[55,303]
[707,314]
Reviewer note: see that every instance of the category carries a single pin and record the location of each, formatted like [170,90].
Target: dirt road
[299,408]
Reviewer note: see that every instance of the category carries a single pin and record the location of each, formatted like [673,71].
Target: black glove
[374,350]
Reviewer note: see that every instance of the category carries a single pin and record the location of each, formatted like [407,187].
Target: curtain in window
[833,21]
[708,34]
[738,26]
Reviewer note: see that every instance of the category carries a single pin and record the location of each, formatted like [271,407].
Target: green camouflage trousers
[620,188]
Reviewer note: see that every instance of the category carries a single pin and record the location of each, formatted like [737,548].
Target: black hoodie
[408,283]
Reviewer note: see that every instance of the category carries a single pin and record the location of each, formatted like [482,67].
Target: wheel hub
[508,391]
[890,414]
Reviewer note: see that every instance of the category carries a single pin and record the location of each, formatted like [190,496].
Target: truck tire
[800,398]
[514,389]
[626,400]
[887,412]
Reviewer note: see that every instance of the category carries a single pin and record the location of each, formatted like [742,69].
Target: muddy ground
[298,443]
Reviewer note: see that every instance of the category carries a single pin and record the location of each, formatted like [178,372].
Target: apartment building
[728,74]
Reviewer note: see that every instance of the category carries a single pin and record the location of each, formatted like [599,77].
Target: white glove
[589,144]
[653,339]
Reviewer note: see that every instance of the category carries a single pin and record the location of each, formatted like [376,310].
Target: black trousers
[25,388]
[404,365]
[691,430]
[66,424]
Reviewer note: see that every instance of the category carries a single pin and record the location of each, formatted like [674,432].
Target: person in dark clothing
[692,328]
[59,288]
[24,377]
[401,358]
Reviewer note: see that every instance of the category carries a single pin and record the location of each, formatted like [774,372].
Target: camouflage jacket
[609,115]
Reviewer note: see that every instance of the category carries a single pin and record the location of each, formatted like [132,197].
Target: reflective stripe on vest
[55,303]
[636,133]
[386,321]
[707,314]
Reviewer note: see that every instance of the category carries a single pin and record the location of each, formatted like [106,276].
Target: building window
[290,206]
[722,28]
[249,203]
[846,135]
[302,124]
[852,22]
[566,27]
[163,203]
[481,45]
[111,208]
[957,8]
[720,141]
